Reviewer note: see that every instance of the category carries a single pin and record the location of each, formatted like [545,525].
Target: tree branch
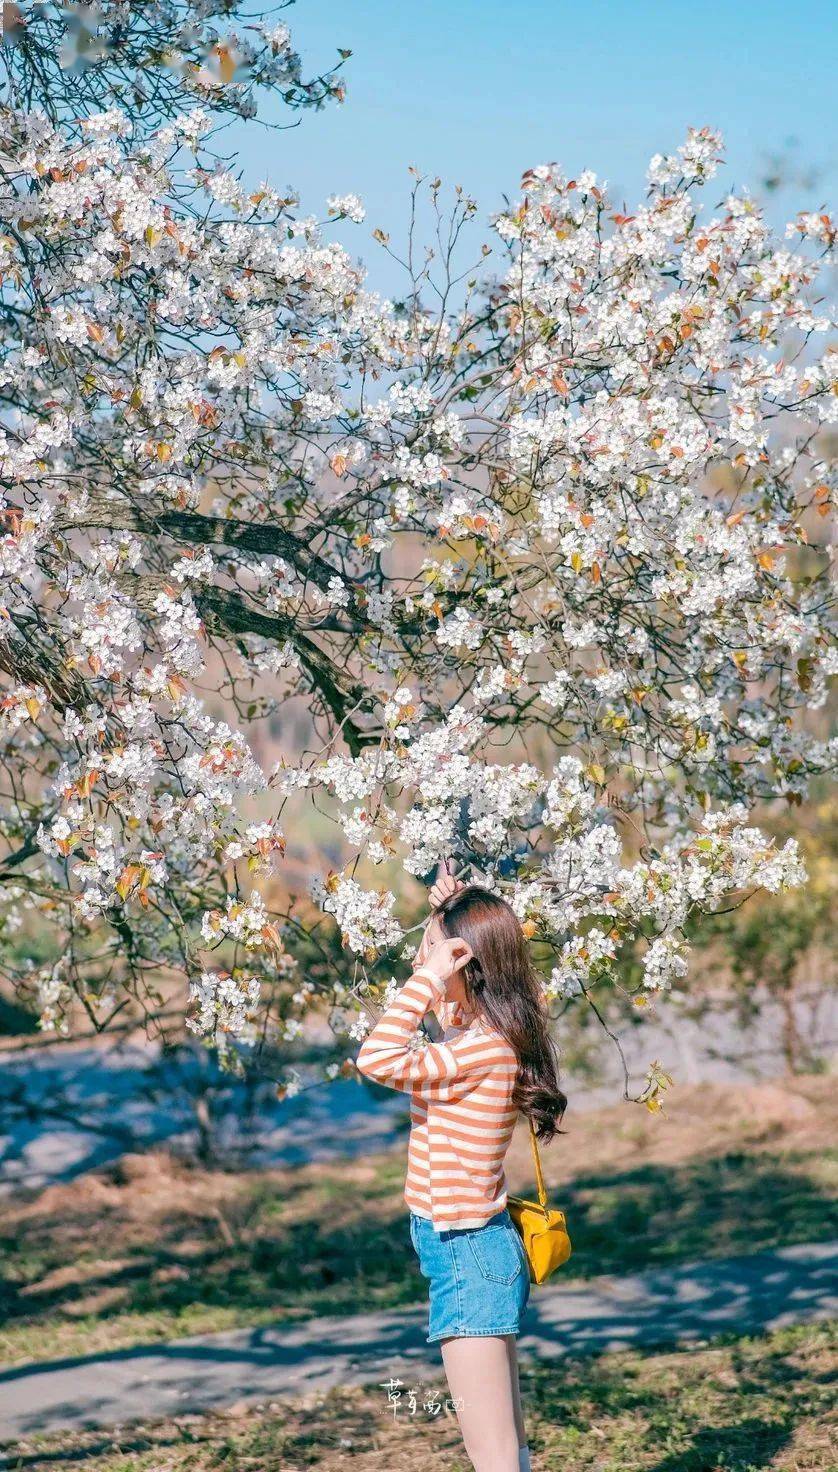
[225,612]
[268,539]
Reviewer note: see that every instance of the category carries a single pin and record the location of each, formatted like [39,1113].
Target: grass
[744,1405]
[152,1249]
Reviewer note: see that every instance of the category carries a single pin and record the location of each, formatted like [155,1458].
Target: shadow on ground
[715,1207]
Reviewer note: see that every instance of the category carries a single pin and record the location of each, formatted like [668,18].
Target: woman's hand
[445,884]
[446,957]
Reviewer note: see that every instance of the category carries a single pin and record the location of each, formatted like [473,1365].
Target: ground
[154,1249]
[742,1406]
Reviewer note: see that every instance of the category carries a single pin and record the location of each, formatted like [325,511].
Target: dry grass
[703,1120]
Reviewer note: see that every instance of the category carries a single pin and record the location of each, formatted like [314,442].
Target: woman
[494,1060]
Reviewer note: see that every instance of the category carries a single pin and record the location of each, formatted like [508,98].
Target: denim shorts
[479,1277]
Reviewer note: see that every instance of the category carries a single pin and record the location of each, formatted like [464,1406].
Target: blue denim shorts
[479,1277]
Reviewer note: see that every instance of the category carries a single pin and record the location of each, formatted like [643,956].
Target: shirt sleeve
[389,1054]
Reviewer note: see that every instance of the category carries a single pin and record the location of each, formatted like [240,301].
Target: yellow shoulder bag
[542,1228]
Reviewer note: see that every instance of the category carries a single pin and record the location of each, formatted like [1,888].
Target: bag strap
[539,1174]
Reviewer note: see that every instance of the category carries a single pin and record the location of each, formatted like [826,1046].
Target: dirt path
[697,1301]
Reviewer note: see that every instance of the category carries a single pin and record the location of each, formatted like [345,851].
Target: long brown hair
[501,984]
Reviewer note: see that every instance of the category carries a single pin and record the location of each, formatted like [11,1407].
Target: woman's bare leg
[477,1370]
[512,1351]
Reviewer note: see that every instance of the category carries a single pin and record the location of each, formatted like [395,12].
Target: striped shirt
[461,1111]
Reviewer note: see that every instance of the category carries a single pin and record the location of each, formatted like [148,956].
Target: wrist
[423,969]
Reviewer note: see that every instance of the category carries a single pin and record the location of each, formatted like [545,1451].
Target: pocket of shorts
[412,1229]
[496,1252]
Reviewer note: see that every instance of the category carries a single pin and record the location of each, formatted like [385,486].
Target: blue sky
[477,92]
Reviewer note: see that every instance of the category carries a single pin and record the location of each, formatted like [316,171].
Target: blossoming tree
[533,547]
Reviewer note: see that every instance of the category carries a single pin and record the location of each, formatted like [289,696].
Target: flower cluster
[363,915]
[223,1003]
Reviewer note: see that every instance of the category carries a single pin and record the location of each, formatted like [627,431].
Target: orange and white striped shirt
[461,1111]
